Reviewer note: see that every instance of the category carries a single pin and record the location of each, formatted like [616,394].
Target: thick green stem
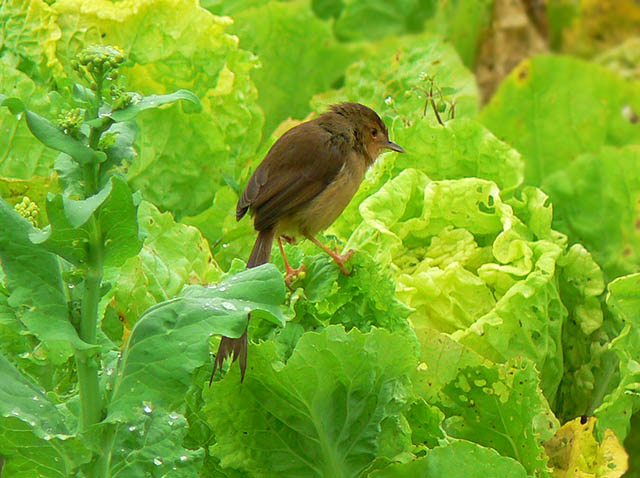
[87,362]
[91,402]
[101,468]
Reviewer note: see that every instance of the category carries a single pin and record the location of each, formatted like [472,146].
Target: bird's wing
[298,167]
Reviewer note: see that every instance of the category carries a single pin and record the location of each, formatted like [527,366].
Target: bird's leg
[291,272]
[339,259]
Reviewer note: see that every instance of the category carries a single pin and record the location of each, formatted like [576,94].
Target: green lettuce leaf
[585,335]
[173,255]
[168,52]
[470,266]
[21,154]
[623,401]
[317,415]
[457,458]
[595,204]
[441,361]
[464,148]
[553,108]
[29,34]
[364,298]
[501,407]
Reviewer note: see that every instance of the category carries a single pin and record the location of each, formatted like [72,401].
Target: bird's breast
[325,208]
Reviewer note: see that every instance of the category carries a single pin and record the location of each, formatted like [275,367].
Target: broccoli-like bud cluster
[69,121]
[121,98]
[99,61]
[29,210]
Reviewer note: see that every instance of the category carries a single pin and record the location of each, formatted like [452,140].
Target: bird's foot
[292,274]
[340,259]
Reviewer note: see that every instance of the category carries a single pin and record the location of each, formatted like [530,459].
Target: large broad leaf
[171,338]
[441,360]
[173,45]
[33,276]
[501,407]
[553,108]
[319,414]
[595,200]
[21,154]
[585,335]
[458,458]
[34,438]
[152,445]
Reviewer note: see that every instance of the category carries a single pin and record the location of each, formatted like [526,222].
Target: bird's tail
[260,254]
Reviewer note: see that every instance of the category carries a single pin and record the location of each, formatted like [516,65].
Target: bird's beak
[394,146]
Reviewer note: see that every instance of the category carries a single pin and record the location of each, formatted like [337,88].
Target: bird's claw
[341,259]
[292,274]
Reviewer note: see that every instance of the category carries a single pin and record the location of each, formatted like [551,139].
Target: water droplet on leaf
[229,306]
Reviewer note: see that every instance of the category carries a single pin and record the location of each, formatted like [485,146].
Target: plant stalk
[92,403]
[102,466]
[86,361]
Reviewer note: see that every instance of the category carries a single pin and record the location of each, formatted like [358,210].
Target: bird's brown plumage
[304,182]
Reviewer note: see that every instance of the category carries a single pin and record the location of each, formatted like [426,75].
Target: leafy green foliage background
[494,292]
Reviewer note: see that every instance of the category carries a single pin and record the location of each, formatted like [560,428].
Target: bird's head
[368,127]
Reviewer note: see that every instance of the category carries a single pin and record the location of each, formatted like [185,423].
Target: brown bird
[303,184]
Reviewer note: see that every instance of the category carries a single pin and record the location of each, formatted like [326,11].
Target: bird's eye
[374,132]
